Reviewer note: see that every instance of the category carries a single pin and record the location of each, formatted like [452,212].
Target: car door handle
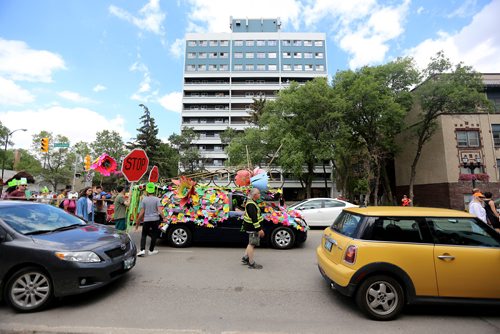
[446,257]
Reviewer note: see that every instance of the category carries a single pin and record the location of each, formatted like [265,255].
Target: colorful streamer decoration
[105,165]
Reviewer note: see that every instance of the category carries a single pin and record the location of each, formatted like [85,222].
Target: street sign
[135,165]
[66,145]
[154,175]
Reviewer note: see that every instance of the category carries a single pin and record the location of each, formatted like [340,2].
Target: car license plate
[328,245]
[129,263]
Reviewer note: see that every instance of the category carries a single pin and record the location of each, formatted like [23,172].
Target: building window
[261,55]
[212,67]
[191,68]
[238,55]
[287,43]
[308,55]
[202,67]
[308,67]
[318,43]
[287,55]
[238,43]
[249,43]
[272,43]
[261,67]
[202,43]
[468,138]
[224,67]
[320,68]
[202,55]
[495,129]
[214,43]
[249,67]
[287,67]
[271,55]
[212,55]
[271,67]
[249,55]
[297,43]
[261,43]
[297,55]
[224,43]
[191,55]
[319,55]
[308,43]
[191,43]
[297,67]
[223,55]
[238,67]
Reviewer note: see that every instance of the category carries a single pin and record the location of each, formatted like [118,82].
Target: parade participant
[405,201]
[491,211]
[84,205]
[251,224]
[120,213]
[69,204]
[101,206]
[476,206]
[20,191]
[151,213]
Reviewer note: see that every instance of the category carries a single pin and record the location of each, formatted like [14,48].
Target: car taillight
[350,254]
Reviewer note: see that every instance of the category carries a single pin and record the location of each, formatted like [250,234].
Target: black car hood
[87,237]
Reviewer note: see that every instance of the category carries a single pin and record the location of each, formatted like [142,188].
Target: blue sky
[77,67]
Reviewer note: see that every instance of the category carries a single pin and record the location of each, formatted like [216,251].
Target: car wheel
[380,297]
[179,236]
[29,289]
[282,238]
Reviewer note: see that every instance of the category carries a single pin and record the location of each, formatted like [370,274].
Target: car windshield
[38,218]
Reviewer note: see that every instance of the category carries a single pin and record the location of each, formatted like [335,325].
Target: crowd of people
[483,207]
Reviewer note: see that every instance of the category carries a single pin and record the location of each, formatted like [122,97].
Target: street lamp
[472,165]
[5,153]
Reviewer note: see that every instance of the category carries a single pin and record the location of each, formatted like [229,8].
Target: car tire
[380,297]
[282,238]
[179,236]
[29,289]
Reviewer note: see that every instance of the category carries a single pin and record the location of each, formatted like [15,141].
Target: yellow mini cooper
[386,257]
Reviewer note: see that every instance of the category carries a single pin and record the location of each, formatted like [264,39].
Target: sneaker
[254,266]
[152,252]
[141,253]
[245,261]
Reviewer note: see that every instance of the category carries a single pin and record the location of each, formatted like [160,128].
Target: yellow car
[387,257]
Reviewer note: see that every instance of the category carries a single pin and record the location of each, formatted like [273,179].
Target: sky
[77,67]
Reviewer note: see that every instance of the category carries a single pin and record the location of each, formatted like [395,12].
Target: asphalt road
[205,289]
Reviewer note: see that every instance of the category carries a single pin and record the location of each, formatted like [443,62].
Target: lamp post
[472,165]
[5,153]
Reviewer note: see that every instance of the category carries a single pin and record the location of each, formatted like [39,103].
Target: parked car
[387,257]
[46,252]
[217,216]
[321,211]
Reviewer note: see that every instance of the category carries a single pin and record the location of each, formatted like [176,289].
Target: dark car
[46,252]
[221,217]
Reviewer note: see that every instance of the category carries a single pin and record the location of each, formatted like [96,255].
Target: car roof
[406,211]
[6,203]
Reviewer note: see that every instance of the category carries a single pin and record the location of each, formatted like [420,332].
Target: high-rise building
[223,72]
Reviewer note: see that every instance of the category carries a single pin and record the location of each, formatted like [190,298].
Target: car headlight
[78,256]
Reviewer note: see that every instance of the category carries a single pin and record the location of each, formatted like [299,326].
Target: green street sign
[61,145]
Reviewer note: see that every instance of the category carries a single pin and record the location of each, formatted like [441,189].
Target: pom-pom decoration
[105,165]
[242,178]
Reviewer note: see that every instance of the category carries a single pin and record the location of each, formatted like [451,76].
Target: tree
[252,140]
[168,164]
[446,88]
[375,102]
[189,157]
[147,137]
[109,142]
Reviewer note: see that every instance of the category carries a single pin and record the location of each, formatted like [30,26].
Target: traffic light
[44,145]
[87,162]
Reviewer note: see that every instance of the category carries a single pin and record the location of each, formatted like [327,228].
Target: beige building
[442,180]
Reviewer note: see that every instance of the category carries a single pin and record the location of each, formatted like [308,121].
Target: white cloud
[12,94]
[145,85]
[362,28]
[150,17]
[213,16]
[177,48]
[99,88]
[19,62]
[464,10]
[78,124]
[172,101]
[420,10]
[73,96]
[477,44]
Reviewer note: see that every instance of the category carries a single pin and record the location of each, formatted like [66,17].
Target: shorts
[253,238]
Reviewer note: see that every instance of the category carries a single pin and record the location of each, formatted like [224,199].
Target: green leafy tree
[248,149]
[189,157]
[168,164]
[147,137]
[446,88]
[109,142]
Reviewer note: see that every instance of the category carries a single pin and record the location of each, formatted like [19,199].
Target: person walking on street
[120,209]
[491,211]
[476,206]
[252,225]
[85,206]
[151,213]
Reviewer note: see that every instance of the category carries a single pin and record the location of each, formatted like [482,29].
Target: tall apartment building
[224,71]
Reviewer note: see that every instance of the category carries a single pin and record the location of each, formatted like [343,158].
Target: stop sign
[135,165]
[154,175]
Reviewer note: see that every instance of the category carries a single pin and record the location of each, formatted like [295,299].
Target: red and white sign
[154,174]
[135,165]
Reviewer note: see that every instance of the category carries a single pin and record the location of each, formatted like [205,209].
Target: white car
[321,211]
